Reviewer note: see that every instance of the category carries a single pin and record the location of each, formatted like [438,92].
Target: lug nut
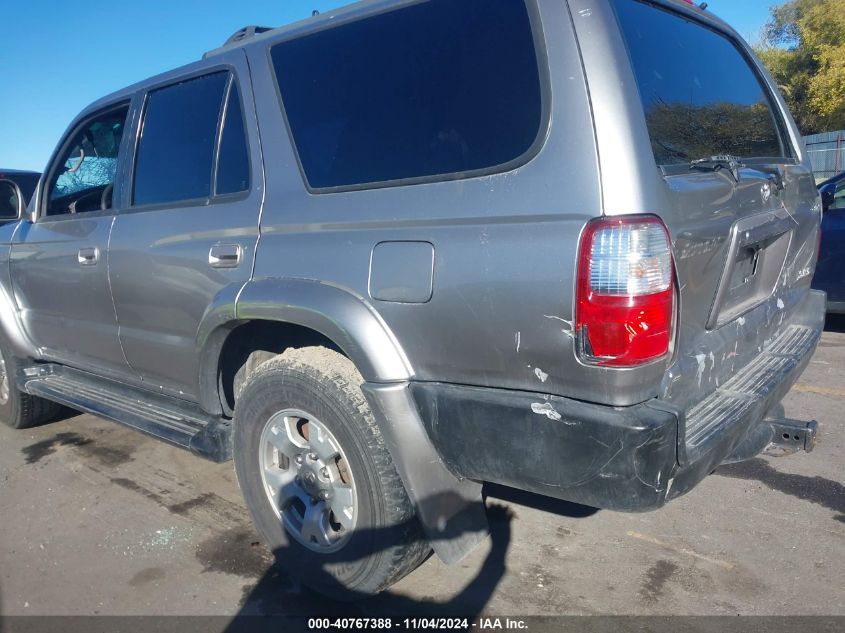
[324,472]
[324,495]
[312,457]
[298,459]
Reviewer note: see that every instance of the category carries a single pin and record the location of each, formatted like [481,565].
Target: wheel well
[253,342]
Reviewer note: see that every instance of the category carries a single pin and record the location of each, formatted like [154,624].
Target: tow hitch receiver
[791,436]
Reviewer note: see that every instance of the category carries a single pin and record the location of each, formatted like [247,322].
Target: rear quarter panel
[505,245]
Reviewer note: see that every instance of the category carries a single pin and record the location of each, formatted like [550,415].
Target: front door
[190,231]
[59,263]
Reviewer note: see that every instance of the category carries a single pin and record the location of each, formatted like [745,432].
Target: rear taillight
[624,304]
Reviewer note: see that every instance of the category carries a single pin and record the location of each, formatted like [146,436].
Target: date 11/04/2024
[434,624]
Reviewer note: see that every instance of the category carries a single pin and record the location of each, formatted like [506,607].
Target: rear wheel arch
[291,313]
[250,343]
[266,317]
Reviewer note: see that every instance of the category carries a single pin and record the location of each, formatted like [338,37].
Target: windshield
[700,95]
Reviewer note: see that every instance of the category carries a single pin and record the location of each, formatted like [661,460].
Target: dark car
[26,180]
[829,276]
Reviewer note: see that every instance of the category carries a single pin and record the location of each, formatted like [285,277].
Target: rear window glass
[701,97]
[435,89]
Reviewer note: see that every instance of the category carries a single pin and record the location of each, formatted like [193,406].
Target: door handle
[88,256]
[225,255]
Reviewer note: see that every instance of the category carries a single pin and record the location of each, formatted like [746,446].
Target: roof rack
[246,33]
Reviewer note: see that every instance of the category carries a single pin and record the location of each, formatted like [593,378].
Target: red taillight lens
[625,295]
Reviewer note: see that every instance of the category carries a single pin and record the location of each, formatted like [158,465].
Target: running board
[175,421]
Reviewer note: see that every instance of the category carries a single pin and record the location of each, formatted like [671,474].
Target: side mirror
[827,197]
[12,205]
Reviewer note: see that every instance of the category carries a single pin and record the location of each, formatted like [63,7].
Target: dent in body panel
[707,358]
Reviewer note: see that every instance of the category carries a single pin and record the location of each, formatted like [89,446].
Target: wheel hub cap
[307,480]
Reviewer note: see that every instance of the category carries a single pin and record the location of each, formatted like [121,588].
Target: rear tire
[20,410]
[318,479]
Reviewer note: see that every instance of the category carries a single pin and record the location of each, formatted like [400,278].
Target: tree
[804,48]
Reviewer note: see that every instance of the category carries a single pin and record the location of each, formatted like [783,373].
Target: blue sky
[58,55]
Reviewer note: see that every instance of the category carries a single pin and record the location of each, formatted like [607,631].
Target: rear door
[744,231]
[191,226]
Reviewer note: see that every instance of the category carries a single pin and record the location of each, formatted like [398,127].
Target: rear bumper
[628,458]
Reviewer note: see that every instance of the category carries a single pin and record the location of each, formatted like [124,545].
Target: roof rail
[246,32]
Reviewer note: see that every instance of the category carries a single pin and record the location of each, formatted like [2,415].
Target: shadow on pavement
[276,595]
[538,502]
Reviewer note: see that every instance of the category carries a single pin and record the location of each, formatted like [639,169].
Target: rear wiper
[722,161]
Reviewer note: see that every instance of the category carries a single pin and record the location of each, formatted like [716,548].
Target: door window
[175,156]
[83,177]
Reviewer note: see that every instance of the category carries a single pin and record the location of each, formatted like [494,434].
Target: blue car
[830,276]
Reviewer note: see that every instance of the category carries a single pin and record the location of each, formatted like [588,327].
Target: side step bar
[175,421]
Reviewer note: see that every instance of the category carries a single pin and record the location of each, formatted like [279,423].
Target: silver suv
[388,253]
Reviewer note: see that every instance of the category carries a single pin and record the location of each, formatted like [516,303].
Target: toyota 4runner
[390,252]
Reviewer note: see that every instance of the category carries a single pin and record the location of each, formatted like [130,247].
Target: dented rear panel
[744,234]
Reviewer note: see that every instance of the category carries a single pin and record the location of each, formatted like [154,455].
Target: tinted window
[85,171]
[838,197]
[8,201]
[176,149]
[700,96]
[27,183]
[233,162]
[437,88]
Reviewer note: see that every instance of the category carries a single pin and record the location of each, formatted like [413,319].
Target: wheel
[318,479]
[18,409]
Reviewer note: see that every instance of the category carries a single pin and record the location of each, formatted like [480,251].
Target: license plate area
[746,265]
[758,250]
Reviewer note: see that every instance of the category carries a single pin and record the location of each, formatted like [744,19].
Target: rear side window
[233,161]
[176,150]
[700,94]
[436,89]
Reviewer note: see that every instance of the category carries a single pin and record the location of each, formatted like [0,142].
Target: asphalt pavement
[98,519]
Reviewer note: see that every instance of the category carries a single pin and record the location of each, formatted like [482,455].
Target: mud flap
[451,509]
